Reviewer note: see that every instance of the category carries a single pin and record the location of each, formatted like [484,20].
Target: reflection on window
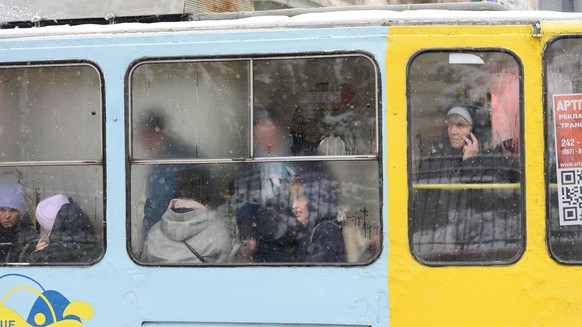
[563,84]
[51,173]
[220,177]
[465,135]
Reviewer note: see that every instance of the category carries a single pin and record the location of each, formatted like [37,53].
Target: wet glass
[562,79]
[51,141]
[328,105]
[36,107]
[465,190]
[307,120]
[190,110]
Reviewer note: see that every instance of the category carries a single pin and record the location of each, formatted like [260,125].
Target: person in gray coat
[190,231]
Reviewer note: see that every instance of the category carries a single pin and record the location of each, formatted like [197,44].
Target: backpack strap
[201,258]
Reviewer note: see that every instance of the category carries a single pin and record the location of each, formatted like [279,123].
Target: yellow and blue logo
[49,308]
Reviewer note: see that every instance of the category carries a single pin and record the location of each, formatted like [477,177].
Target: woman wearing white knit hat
[66,233]
[46,213]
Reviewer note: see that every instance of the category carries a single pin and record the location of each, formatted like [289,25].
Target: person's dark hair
[195,183]
[154,120]
[71,217]
[268,113]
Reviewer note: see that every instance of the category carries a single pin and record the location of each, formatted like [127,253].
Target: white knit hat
[47,209]
[461,111]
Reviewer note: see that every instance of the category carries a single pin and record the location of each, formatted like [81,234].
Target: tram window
[465,191]
[240,161]
[51,149]
[563,161]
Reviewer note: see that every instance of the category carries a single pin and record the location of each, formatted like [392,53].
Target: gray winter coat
[180,237]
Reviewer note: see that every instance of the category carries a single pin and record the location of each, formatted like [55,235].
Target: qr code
[571,195]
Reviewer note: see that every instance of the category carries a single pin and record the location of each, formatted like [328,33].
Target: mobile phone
[469,137]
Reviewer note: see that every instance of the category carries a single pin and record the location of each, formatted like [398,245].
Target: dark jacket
[163,180]
[72,239]
[472,223]
[323,243]
[265,215]
[14,239]
[320,238]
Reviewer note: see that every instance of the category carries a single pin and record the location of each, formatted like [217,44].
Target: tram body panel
[403,286]
[123,293]
[456,294]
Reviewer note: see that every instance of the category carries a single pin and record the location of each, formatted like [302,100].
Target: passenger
[465,157]
[458,220]
[66,234]
[190,230]
[15,229]
[162,183]
[273,138]
[259,195]
[313,199]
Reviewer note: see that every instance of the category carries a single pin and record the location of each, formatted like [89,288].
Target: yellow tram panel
[533,291]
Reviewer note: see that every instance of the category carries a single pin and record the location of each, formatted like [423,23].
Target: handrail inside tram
[466,186]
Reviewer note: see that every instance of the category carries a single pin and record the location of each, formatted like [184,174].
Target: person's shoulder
[179,148]
[302,147]
[217,220]
[25,227]
[326,227]
[155,232]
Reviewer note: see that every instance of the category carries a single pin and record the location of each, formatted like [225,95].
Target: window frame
[251,58]
[522,155]
[547,103]
[69,163]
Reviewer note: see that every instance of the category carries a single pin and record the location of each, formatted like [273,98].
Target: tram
[153,124]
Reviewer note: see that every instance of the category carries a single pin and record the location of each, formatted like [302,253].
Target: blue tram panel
[220,182]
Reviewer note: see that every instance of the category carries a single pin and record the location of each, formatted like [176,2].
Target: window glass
[563,163]
[465,196]
[270,175]
[203,104]
[328,103]
[51,169]
[47,95]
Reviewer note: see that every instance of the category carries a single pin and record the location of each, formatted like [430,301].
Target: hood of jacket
[181,226]
[72,225]
[322,193]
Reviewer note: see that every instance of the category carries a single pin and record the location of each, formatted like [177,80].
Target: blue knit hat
[11,196]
